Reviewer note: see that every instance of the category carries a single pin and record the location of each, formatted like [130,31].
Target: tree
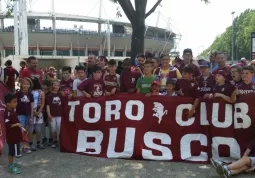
[244,24]
[137,18]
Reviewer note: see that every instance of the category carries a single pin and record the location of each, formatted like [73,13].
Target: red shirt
[226,89]
[14,134]
[188,87]
[226,69]
[66,86]
[94,87]
[111,82]
[10,72]
[128,80]
[54,102]
[246,89]
[196,69]
[206,85]
[31,74]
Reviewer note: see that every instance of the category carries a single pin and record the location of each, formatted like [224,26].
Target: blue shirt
[213,67]
[253,79]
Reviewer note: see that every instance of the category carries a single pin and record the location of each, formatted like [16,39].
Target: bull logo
[24,99]
[56,100]
[159,111]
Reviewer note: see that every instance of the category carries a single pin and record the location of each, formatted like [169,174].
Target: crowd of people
[37,104]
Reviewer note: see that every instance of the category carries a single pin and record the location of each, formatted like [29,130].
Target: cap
[187,51]
[243,59]
[155,83]
[222,73]
[203,63]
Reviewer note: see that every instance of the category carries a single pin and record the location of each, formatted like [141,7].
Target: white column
[86,50]
[71,49]
[100,52]
[113,51]
[4,52]
[1,23]
[125,52]
[16,28]
[23,27]
[37,49]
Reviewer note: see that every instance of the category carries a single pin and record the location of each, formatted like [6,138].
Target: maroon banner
[4,90]
[157,128]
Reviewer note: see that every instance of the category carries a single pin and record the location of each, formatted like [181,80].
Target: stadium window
[78,53]
[8,52]
[63,53]
[119,53]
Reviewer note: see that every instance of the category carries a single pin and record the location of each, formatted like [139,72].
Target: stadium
[58,47]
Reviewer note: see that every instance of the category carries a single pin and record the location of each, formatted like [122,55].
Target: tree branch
[153,8]
[128,8]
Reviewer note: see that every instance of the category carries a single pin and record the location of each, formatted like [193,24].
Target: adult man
[214,64]
[31,71]
[188,59]
[221,60]
[91,63]
[9,75]
[252,63]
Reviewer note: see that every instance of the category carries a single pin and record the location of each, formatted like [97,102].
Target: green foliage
[244,25]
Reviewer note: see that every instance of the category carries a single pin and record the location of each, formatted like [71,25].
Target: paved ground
[50,163]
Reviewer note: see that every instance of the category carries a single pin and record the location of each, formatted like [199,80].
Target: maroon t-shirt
[55,104]
[226,69]
[226,89]
[128,80]
[206,85]
[188,87]
[33,74]
[111,82]
[233,82]
[66,86]
[14,134]
[24,103]
[94,87]
[251,146]
[246,89]
[10,72]
[196,69]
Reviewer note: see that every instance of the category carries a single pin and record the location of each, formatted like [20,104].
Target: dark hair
[77,68]
[149,55]
[164,56]
[148,62]
[96,68]
[8,63]
[66,68]
[36,84]
[127,60]
[104,58]
[46,82]
[22,62]
[30,59]
[171,81]
[188,68]
[237,67]
[112,62]
[249,68]
[9,97]
[120,63]
[141,55]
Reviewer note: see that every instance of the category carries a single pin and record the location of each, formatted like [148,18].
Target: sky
[197,22]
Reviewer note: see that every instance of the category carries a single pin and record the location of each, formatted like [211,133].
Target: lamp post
[233,43]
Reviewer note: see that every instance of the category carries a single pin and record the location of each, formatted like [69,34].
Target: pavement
[50,163]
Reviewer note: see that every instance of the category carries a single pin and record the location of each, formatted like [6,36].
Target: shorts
[14,149]
[23,120]
[252,161]
[55,124]
[36,127]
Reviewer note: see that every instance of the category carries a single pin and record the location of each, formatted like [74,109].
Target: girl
[36,121]
[54,110]
[25,107]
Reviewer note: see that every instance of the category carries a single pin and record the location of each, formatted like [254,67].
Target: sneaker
[16,165]
[50,141]
[32,148]
[220,170]
[39,146]
[215,163]
[54,145]
[44,142]
[13,170]
[18,156]
[26,150]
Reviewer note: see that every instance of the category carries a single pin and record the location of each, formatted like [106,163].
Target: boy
[143,84]
[94,86]
[188,87]
[224,89]
[128,78]
[140,63]
[246,163]
[9,75]
[170,88]
[51,74]
[246,86]
[111,79]
[206,81]
[66,84]
[155,89]
[236,74]
[13,131]
[81,74]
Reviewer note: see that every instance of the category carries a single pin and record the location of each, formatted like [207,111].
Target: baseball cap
[203,63]
[222,73]
[155,83]
[187,51]
[243,59]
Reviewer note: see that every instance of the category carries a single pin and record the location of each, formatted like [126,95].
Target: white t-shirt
[76,83]
[2,74]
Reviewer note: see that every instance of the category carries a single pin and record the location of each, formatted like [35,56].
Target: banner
[157,128]
[4,90]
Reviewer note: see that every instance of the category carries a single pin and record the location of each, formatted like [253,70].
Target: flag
[4,90]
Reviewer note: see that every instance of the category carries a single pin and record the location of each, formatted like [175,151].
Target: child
[155,88]
[94,86]
[37,121]
[246,163]
[54,110]
[170,88]
[111,79]
[46,89]
[51,74]
[81,74]
[140,63]
[66,84]
[143,84]
[246,86]
[188,87]
[206,80]
[236,74]
[25,106]
[224,89]
[128,78]
[13,131]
